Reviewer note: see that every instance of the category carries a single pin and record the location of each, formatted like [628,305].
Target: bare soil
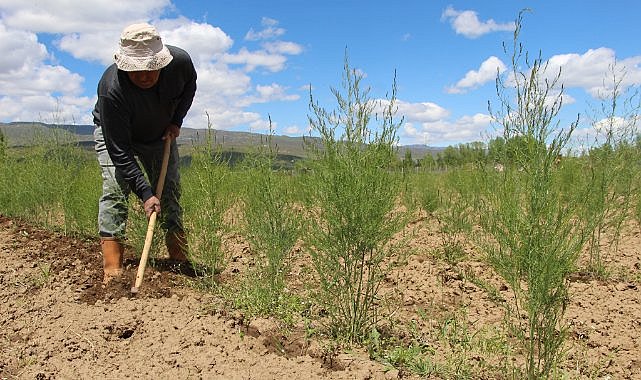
[58,321]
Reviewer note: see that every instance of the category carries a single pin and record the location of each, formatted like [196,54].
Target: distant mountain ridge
[27,133]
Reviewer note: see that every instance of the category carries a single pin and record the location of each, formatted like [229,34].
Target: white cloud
[619,128]
[204,42]
[474,79]
[591,70]
[92,47]
[553,96]
[424,112]
[429,123]
[42,78]
[226,118]
[270,30]
[46,108]
[225,94]
[294,130]
[611,124]
[254,59]
[262,126]
[274,92]
[283,47]
[468,24]
[443,132]
[217,79]
[33,89]
[220,92]
[79,16]
[24,48]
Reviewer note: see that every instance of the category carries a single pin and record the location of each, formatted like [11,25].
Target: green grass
[53,185]
[272,225]
[209,187]
[444,349]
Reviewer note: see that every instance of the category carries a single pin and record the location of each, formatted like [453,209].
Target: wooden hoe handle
[152,218]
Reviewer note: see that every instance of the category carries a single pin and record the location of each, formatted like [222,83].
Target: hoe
[152,218]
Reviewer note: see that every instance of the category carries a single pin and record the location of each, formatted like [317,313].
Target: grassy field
[480,214]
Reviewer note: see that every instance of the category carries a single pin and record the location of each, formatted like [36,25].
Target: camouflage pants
[113,204]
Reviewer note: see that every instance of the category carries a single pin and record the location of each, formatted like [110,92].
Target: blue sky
[259,58]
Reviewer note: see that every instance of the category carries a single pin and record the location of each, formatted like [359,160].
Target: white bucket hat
[141,49]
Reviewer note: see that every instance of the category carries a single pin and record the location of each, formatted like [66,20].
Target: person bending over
[142,100]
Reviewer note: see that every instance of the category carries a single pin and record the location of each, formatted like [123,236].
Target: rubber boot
[112,253]
[176,245]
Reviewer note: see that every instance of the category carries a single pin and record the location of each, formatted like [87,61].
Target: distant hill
[242,141]
[28,133]
[419,151]
[25,134]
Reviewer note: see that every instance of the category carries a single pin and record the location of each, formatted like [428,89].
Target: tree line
[501,152]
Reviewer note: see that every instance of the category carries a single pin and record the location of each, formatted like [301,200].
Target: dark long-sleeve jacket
[129,114]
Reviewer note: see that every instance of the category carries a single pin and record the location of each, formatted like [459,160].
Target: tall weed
[353,194]
[611,170]
[205,203]
[272,226]
[533,235]
[454,215]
